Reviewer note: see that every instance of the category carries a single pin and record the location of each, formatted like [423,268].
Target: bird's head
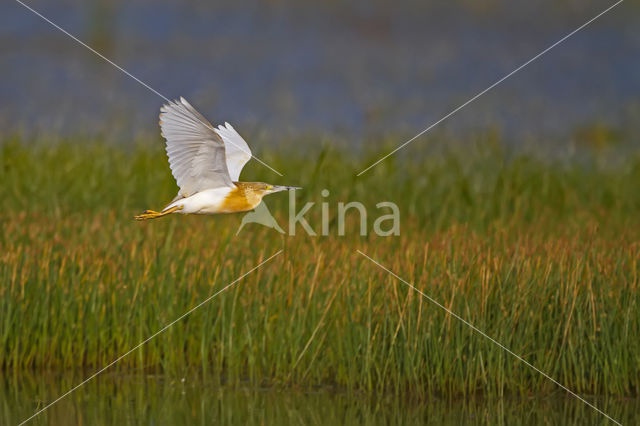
[267,188]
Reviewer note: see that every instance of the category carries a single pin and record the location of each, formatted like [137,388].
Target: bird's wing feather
[237,150]
[196,151]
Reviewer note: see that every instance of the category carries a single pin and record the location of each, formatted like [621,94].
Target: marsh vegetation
[540,254]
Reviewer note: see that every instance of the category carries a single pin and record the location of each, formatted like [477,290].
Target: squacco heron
[206,163]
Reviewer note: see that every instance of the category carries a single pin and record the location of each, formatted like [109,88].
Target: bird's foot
[148,214]
[151,214]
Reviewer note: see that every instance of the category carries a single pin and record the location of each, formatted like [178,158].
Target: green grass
[541,255]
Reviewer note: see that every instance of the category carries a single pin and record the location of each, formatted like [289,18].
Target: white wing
[238,152]
[196,151]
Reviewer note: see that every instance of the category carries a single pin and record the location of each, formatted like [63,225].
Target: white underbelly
[209,201]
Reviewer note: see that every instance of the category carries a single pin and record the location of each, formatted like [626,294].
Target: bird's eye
[269,186]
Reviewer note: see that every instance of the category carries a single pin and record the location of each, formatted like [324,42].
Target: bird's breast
[239,200]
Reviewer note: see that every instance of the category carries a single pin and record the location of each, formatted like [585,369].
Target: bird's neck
[243,198]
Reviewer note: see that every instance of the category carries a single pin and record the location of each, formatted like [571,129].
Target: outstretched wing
[196,151]
[238,152]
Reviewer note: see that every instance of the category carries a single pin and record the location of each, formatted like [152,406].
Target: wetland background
[520,213]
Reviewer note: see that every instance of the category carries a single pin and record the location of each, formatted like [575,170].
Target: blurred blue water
[357,68]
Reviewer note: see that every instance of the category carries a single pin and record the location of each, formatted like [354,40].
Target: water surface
[158,400]
[358,68]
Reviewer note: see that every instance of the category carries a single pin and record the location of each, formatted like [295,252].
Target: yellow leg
[150,214]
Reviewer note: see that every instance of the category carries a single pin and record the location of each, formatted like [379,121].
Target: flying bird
[206,162]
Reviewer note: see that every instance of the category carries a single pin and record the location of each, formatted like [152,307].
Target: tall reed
[543,256]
